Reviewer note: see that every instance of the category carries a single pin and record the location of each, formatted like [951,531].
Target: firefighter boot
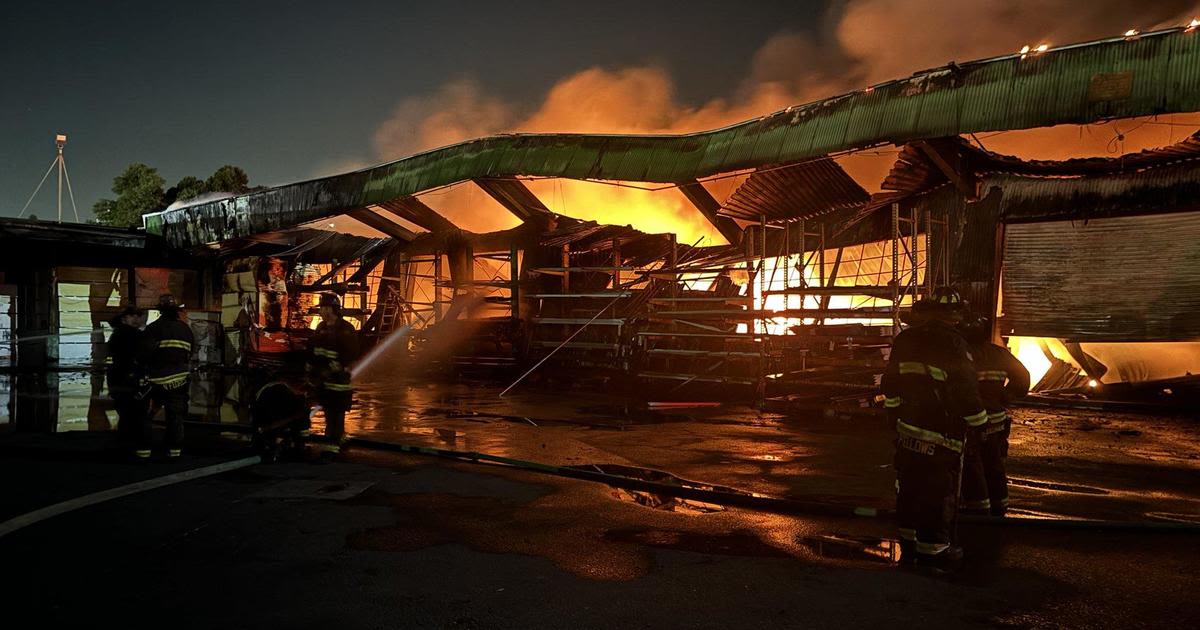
[948,560]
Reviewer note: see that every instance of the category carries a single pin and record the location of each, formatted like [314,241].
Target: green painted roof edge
[1154,73]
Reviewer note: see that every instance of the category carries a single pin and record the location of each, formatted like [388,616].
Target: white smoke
[200,199]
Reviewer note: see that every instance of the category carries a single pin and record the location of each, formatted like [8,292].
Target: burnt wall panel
[1115,279]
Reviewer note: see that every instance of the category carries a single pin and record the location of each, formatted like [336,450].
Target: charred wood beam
[952,163]
[370,255]
[699,196]
[516,198]
[524,236]
[414,210]
[391,228]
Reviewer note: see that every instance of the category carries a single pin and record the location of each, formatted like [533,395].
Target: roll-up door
[1118,279]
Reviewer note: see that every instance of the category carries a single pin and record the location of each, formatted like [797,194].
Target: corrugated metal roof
[800,191]
[1122,279]
[914,172]
[1170,188]
[1151,74]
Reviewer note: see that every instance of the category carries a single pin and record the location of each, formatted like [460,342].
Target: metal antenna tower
[60,141]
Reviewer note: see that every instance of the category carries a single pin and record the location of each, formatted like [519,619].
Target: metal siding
[986,95]
[685,163]
[718,147]
[832,126]
[866,119]
[939,105]
[1029,96]
[1182,74]
[800,136]
[899,113]
[770,143]
[741,150]
[1119,279]
[636,163]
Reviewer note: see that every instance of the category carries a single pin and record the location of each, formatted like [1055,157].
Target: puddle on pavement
[735,543]
[665,503]
[847,547]
[655,500]
[656,476]
[484,417]
[446,435]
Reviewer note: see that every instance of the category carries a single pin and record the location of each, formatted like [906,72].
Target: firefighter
[1002,379]
[334,348]
[279,415]
[930,389]
[124,380]
[167,355]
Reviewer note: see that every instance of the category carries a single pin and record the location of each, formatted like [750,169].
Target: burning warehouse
[1087,262]
[697,343]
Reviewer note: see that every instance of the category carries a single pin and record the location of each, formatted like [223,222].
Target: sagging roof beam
[699,196]
[950,161]
[414,210]
[391,228]
[516,198]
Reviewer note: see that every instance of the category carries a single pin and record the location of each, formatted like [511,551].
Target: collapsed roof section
[1153,73]
[799,191]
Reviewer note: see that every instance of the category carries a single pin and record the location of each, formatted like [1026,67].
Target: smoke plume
[861,42]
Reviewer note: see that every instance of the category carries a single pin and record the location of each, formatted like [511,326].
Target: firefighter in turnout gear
[124,381]
[1002,379]
[279,415]
[931,391]
[167,355]
[334,348]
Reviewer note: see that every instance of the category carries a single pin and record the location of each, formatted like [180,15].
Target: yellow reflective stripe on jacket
[325,352]
[997,417]
[175,343]
[108,360]
[908,430]
[170,381]
[338,387]
[993,375]
[977,419]
[891,402]
[914,367]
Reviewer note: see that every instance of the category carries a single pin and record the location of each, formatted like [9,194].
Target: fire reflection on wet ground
[1062,466]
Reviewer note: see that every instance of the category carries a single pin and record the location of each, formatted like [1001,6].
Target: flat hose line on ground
[70,505]
[759,502]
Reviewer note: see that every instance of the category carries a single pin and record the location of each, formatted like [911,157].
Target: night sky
[285,89]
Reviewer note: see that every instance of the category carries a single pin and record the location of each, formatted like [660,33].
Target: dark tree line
[139,190]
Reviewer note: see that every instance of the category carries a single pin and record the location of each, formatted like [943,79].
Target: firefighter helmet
[330,300]
[941,301]
[167,302]
[976,328]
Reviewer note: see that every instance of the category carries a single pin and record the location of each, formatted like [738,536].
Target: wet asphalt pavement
[380,540]
[1064,464]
